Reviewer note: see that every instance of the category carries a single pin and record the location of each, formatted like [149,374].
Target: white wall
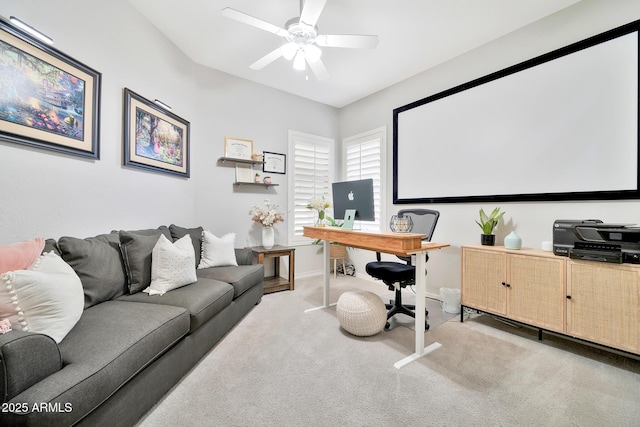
[532,221]
[51,195]
[47,194]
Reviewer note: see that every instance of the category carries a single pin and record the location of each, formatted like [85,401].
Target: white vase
[268,237]
[512,241]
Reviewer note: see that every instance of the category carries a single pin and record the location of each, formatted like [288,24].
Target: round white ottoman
[361,313]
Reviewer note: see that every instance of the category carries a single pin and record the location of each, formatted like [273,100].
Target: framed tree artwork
[154,138]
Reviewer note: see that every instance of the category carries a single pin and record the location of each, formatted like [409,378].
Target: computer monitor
[356,195]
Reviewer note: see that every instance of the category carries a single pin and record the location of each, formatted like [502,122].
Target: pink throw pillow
[20,256]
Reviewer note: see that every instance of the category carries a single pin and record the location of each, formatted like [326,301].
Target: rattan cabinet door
[536,291]
[602,304]
[483,275]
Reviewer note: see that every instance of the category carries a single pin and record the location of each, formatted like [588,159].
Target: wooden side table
[276,283]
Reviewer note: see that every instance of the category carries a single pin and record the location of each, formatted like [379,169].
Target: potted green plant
[487,223]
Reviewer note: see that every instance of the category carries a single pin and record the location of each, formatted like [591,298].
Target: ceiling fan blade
[319,69]
[311,11]
[255,22]
[350,41]
[266,60]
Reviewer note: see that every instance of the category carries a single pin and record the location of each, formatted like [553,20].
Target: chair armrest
[26,358]
[244,256]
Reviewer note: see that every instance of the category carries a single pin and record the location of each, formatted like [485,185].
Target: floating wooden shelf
[234,161]
[260,184]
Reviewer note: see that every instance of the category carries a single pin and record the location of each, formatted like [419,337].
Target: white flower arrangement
[267,215]
[319,204]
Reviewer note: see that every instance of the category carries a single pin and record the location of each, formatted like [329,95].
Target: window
[362,159]
[311,173]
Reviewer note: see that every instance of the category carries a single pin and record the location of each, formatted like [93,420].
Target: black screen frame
[528,197]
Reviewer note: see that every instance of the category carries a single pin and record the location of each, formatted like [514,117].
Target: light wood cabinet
[483,273]
[603,304]
[594,301]
[525,286]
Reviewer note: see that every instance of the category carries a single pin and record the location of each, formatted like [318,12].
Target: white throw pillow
[172,265]
[218,251]
[46,298]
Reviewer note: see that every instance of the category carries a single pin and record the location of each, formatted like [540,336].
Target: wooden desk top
[402,244]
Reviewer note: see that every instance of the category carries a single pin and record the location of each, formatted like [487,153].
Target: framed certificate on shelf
[244,172]
[238,148]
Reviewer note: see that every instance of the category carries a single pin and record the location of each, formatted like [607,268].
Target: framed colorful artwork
[47,99]
[154,138]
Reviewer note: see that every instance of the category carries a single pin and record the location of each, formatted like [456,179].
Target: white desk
[404,244]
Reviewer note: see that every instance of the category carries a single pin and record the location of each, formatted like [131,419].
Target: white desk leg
[326,262]
[326,276]
[421,293]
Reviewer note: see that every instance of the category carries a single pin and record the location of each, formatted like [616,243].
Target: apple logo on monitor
[350,195]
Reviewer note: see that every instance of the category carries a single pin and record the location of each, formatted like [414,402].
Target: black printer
[594,240]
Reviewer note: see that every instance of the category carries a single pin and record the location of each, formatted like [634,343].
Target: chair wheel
[426,326]
[387,325]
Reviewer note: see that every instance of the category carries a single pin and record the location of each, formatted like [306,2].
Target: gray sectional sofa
[128,349]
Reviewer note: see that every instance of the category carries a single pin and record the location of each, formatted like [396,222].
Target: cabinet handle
[504,284]
[568,296]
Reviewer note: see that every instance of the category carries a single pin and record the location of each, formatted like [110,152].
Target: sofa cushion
[19,256]
[51,245]
[172,265]
[241,277]
[218,251]
[98,263]
[203,299]
[47,298]
[136,248]
[178,232]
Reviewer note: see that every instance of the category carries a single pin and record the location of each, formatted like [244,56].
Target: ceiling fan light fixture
[289,50]
[299,61]
[312,52]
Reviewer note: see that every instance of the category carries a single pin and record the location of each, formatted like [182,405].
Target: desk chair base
[396,307]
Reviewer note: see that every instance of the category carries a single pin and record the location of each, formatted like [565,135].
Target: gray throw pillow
[97,261]
[51,245]
[196,238]
[136,248]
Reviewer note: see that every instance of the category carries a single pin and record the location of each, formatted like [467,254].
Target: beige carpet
[282,367]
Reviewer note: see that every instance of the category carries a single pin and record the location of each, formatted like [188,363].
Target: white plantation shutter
[363,159]
[310,176]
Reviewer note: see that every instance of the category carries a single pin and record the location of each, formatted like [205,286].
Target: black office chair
[391,273]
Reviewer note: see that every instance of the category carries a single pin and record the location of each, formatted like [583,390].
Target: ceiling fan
[301,34]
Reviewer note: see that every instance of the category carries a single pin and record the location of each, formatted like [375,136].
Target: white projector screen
[563,126]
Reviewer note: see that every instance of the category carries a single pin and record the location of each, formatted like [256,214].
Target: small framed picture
[274,163]
[238,148]
[244,172]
